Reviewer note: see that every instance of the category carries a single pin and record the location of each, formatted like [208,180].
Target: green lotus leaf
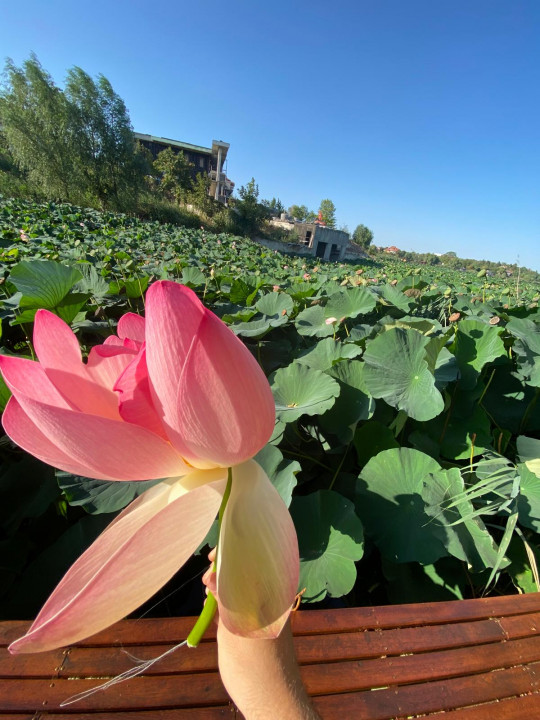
[392,508]
[276,306]
[281,472]
[464,536]
[529,453]
[322,321]
[327,353]
[529,498]
[312,322]
[465,433]
[372,438]
[395,297]
[330,539]
[476,344]
[527,331]
[353,404]
[397,371]
[43,283]
[350,303]
[192,276]
[299,390]
[100,496]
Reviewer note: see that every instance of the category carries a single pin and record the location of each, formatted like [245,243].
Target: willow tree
[37,123]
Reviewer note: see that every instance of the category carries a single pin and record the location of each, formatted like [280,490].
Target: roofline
[175,143]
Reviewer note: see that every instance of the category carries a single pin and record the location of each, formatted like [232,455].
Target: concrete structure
[209,161]
[321,241]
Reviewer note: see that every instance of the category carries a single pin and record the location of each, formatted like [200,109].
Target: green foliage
[399,430]
[106,159]
[75,144]
[363,236]
[328,212]
[198,195]
[301,213]
[173,175]
[250,214]
[38,124]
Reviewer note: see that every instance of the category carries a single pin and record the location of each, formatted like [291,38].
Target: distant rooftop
[175,143]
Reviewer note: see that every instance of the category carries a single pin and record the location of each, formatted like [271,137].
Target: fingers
[209,577]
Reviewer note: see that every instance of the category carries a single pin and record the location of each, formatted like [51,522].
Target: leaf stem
[210,606]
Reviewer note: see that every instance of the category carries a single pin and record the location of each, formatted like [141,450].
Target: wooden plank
[351,676]
[524,707]
[310,649]
[150,693]
[125,632]
[411,700]
[174,630]
[413,615]
[164,692]
[226,712]
[110,661]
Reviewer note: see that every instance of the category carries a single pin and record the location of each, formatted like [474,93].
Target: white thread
[127,675]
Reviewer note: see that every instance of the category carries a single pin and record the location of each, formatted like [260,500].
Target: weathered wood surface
[472,659]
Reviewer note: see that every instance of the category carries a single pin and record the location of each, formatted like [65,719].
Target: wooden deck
[472,659]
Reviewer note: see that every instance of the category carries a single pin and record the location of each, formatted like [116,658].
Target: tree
[275,206]
[174,171]
[37,123]
[363,236]
[107,155]
[250,213]
[299,212]
[76,144]
[328,212]
[199,198]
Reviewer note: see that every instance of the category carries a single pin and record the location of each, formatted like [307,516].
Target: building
[323,242]
[210,161]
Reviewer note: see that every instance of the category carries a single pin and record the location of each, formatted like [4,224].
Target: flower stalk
[210,606]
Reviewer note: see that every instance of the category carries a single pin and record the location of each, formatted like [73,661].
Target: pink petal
[112,340]
[27,377]
[135,399]
[131,326]
[107,362]
[258,563]
[55,343]
[216,403]
[28,436]
[105,448]
[132,559]
[59,354]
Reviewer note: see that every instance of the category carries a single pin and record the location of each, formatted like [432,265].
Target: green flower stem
[210,606]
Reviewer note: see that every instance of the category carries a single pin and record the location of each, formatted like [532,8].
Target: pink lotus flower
[177,396]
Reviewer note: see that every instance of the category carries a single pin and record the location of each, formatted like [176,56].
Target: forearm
[263,678]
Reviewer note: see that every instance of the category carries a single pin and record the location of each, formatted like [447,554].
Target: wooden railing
[471,659]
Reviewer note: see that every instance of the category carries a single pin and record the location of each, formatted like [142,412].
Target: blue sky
[418,118]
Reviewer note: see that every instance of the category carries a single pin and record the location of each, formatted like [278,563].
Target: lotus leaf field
[407,441]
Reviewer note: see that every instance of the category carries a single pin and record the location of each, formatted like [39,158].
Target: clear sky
[418,118]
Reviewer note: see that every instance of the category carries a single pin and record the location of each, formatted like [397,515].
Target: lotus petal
[135,401]
[216,402]
[107,362]
[132,559]
[110,449]
[131,326]
[28,436]
[258,563]
[27,377]
[59,355]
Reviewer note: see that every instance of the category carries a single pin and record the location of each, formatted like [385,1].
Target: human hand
[261,676]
